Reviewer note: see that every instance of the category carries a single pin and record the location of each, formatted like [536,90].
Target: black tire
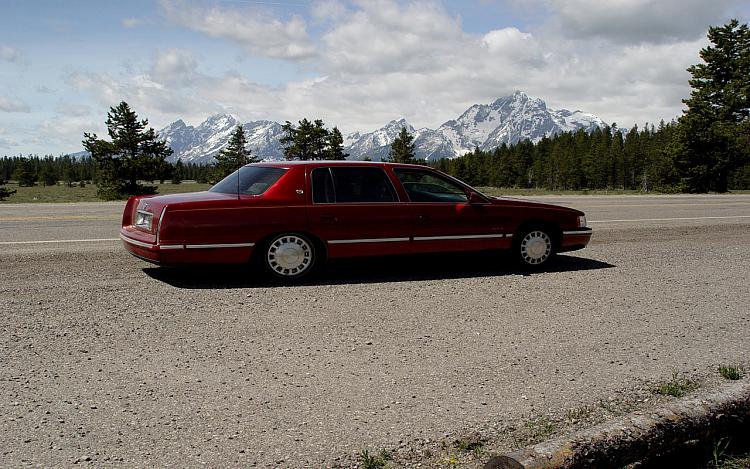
[288,256]
[534,247]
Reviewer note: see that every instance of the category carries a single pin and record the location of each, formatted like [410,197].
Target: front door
[443,218]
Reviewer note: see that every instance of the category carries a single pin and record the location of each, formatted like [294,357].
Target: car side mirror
[476,199]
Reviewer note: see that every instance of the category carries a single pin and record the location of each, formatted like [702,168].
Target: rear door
[357,211]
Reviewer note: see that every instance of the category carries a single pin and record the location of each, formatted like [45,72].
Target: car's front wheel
[534,248]
[289,256]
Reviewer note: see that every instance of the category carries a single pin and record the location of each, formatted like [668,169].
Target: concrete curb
[642,437]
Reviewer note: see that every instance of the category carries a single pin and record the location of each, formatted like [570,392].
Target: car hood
[511,201]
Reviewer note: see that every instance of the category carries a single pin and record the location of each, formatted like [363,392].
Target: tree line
[606,158]
[72,171]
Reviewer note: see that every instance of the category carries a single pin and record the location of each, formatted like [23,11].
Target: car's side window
[351,185]
[323,191]
[425,186]
[362,185]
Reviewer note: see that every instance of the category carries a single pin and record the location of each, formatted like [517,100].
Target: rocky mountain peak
[507,120]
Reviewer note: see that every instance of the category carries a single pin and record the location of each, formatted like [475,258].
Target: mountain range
[506,120]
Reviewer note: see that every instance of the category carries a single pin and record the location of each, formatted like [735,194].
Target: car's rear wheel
[534,248]
[289,256]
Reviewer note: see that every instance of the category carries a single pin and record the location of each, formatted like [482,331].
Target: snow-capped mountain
[507,120]
[377,144]
[200,144]
[512,119]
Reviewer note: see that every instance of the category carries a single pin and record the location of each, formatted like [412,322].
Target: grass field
[63,194]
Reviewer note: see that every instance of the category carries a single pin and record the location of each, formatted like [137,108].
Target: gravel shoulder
[105,360]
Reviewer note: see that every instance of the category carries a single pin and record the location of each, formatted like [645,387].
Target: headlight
[582,221]
[143,219]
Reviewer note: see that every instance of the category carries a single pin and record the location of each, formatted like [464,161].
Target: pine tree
[134,154]
[713,133]
[235,155]
[299,142]
[24,173]
[177,172]
[68,175]
[318,140]
[288,141]
[310,140]
[49,176]
[4,191]
[402,148]
[335,146]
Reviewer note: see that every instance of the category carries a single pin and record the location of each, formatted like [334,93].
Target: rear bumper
[155,253]
[575,239]
[173,254]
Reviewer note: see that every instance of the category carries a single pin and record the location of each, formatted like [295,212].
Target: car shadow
[369,270]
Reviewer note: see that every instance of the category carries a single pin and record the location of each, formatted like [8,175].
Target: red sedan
[290,216]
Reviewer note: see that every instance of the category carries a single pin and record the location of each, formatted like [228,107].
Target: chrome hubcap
[536,247]
[289,255]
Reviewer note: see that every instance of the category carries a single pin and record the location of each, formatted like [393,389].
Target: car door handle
[329,218]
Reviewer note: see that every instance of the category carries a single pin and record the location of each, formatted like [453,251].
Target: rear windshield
[251,180]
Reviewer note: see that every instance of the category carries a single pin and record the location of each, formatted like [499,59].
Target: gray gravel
[108,361]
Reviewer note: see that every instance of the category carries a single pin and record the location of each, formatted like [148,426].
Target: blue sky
[356,64]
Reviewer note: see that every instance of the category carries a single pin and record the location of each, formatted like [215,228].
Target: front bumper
[573,240]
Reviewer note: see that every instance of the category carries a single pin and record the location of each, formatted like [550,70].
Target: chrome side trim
[217,246]
[136,242]
[366,240]
[436,238]
[186,246]
[577,232]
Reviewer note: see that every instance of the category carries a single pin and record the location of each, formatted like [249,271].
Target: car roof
[286,164]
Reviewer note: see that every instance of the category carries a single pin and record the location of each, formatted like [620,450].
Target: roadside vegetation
[61,193]
[731,372]
[678,386]
[374,461]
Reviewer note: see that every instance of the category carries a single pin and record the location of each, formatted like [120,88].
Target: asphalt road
[106,360]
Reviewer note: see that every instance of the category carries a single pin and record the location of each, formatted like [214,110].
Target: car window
[322,186]
[251,180]
[426,186]
[352,185]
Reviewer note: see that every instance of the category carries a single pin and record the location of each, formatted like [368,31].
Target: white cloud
[258,32]
[157,101]
[638,21]
[132,22]
[13,105]
[328,10]
[65,133]
[7,143]
[10,54]
[174,66]
[380,59]
[72,109]
[382,36]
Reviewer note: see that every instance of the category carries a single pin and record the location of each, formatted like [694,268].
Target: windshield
[253,180]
